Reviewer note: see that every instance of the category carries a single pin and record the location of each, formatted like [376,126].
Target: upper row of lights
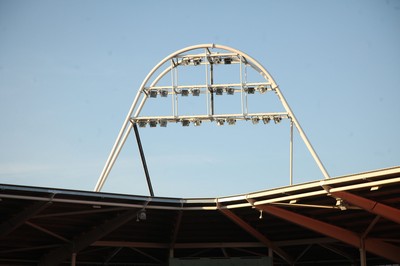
[211,59]
[218,91]
[197,122]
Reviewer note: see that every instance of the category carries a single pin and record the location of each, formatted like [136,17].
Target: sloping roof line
[342,183]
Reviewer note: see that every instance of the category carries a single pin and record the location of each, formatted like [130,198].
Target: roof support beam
[146,255]
[339,252]
[372,245]
[15,250]
[370,226]
[256,234]
[177,245]
[57,256]
[254,253]
[112,255]
[47,231]
[374,207]
[285,243]
[10,225]
[81,212]
[302,253]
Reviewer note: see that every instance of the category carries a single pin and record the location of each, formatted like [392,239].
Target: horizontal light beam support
[215,85]
[210,118]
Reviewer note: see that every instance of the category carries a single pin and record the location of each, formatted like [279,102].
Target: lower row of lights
[197,122]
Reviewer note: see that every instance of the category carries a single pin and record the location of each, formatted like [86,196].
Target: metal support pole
[291,153]
[146,171]
[302,134]
[271,256]
[211,89]
[73,259]
[363,257]
[244,112]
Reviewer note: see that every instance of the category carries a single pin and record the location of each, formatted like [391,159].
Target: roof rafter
[44,230]
[255,233]
[372,245]
[16,221]
[58,255]
[339,252]
[146,254]
[372,206]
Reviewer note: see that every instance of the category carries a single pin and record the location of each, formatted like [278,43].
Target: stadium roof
[346,220]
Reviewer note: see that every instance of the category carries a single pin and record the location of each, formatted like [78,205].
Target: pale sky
[69,71]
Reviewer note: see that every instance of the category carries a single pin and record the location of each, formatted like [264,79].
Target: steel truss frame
[210,55]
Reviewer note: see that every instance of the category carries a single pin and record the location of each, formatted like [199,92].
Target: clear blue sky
[69,71]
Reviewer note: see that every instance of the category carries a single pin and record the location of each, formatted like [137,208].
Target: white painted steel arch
[135,108]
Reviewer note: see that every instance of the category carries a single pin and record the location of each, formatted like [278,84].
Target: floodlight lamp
[185,122]
[153,93]
[153,123]
[250,90]
[255,120]
[185,61]
[219,90]
[220,122]
[227,60]
[266,119]
[217,60]
[142,123]
[184,92]
[164,93]
[163,123]
[230,90]
[277,119]
[231,121]
[195,92]
[196,61]
[262,89]
[197,122]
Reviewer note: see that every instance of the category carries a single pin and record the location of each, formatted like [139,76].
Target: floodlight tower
[207,56]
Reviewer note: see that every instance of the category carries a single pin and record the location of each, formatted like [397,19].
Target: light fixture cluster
[185,122]
[261,89]
[186,92]
[153,123]
[220,90]
[191,61]
[266,119]
[212,59]
[154,92]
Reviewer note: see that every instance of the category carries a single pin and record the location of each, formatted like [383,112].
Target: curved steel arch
[136,108]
